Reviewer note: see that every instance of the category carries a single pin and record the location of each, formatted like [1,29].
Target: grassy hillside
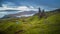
[31,25]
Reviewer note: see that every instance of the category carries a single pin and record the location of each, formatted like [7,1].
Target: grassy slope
[51,25]
[32,25]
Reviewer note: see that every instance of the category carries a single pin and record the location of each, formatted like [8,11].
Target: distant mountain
[9,10]
[57,10]
[20,14]
[25,13]
[6,16]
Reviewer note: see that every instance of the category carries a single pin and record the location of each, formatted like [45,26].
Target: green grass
[31,25]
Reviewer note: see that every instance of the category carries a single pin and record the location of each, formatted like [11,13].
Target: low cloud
[22,8]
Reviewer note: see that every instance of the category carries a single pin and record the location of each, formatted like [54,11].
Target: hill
[32,25]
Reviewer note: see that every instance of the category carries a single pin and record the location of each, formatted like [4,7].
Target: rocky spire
[39,13]
[39,10]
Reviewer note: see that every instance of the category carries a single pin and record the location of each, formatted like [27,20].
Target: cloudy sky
[18,4]
[27,5]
